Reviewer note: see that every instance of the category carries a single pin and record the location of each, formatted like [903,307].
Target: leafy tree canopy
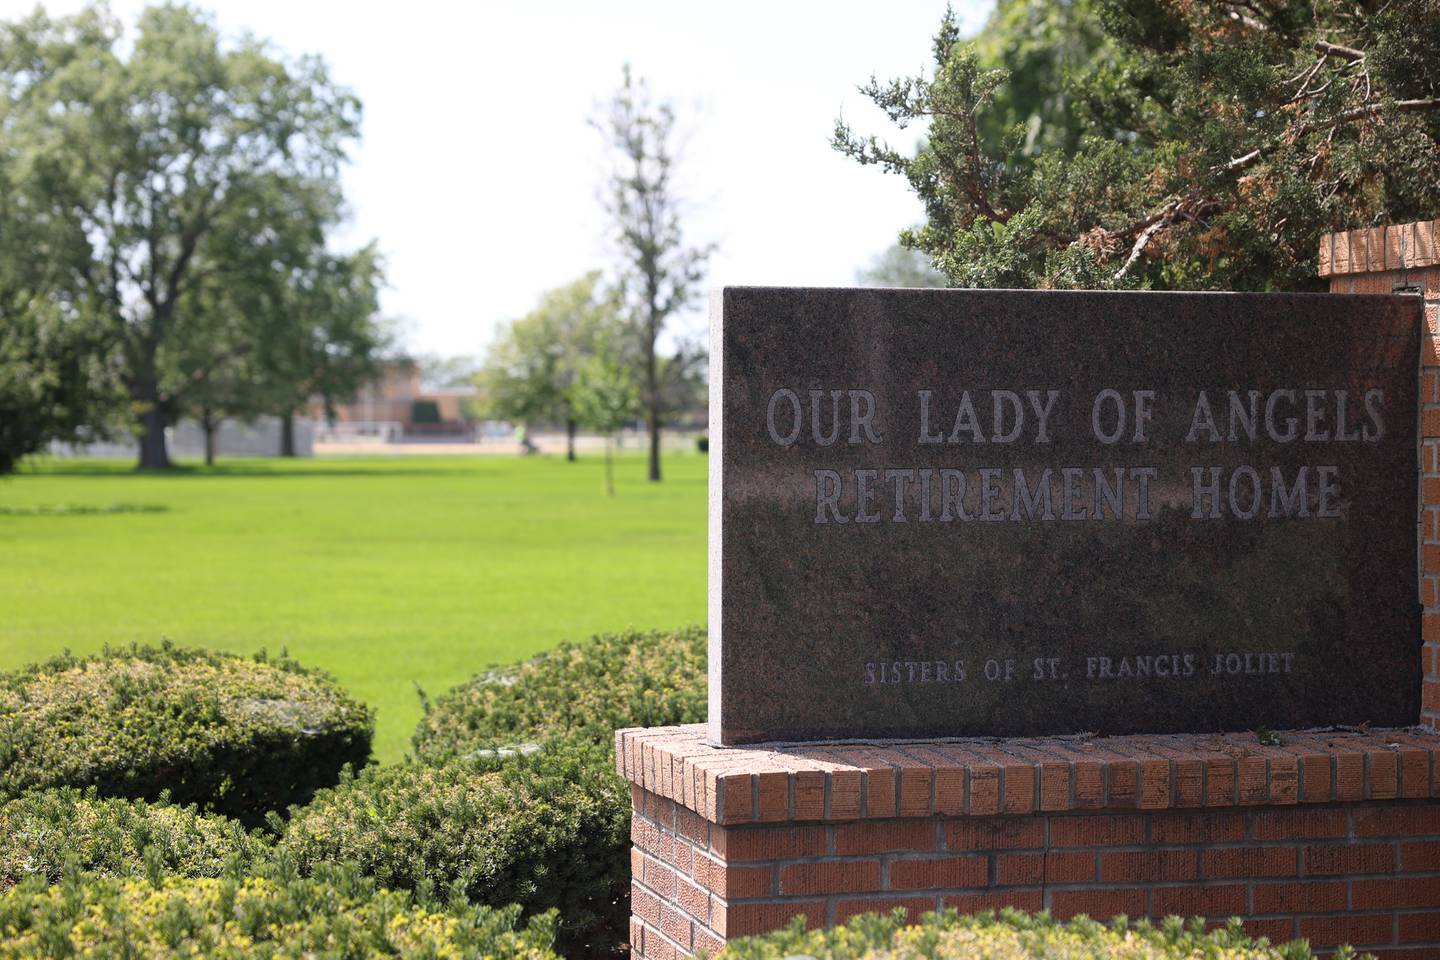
[531,369]
[900,266]
[55,383]
[156,164]
[440,370]
[605,399]
[1179,145]
[605,395]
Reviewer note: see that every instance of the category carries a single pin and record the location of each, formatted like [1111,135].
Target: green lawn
[386,571]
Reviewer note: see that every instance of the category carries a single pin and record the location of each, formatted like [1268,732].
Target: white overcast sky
[478,172]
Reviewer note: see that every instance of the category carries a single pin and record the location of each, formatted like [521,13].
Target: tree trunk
[652,383]
[287,434]
[654,442]
[609,472]
[208,424]
[570,427]
[154,454]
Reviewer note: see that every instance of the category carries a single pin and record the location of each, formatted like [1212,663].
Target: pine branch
[1347,116]
[1190,208]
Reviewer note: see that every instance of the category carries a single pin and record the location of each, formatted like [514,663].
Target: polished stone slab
[1017,513]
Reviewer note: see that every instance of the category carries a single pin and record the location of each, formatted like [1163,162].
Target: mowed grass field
[388,572]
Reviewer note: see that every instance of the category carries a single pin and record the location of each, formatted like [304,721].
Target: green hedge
[48,832]
[1013,936]
[543,830]
[582,690]
[579,694]
[275,914]
[234,735]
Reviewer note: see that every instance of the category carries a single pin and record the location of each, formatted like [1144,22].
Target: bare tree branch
[1159,222]
[1336,50]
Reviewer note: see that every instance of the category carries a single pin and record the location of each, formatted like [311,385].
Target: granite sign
[961,513]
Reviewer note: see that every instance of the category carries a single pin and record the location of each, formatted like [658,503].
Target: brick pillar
[1333,836]
[1406,259]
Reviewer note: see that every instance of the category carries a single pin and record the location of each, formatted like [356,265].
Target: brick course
[1137,773]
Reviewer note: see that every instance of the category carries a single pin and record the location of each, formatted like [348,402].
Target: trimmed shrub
[576,694]
[582,690]
[273,915]
[1013,936]
[234,735]
[579,693]
[51,831]
[544,829]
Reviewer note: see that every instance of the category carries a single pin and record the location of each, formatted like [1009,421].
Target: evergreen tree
[1200,146]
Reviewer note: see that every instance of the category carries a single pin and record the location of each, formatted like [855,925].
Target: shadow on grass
[80,509]
[186,472]
[379,466]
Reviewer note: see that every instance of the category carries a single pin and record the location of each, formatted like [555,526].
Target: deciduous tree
[660,272]
[57,381]
[324,337]
[606,400]
[230,385]
[448,371]
[146,152]
[531,368]
[55,384]
[899,266]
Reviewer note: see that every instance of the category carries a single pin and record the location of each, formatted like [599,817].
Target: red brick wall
[1367,874]
[1332,836]
[1383,260]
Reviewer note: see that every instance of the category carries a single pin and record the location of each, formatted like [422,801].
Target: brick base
[1332,837]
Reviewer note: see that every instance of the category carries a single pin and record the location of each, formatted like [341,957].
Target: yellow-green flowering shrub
[334,914]
[239,736]
[1012,935]
[42,834]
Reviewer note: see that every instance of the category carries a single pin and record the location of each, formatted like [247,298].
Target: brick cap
[792,782]
[1405,246]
